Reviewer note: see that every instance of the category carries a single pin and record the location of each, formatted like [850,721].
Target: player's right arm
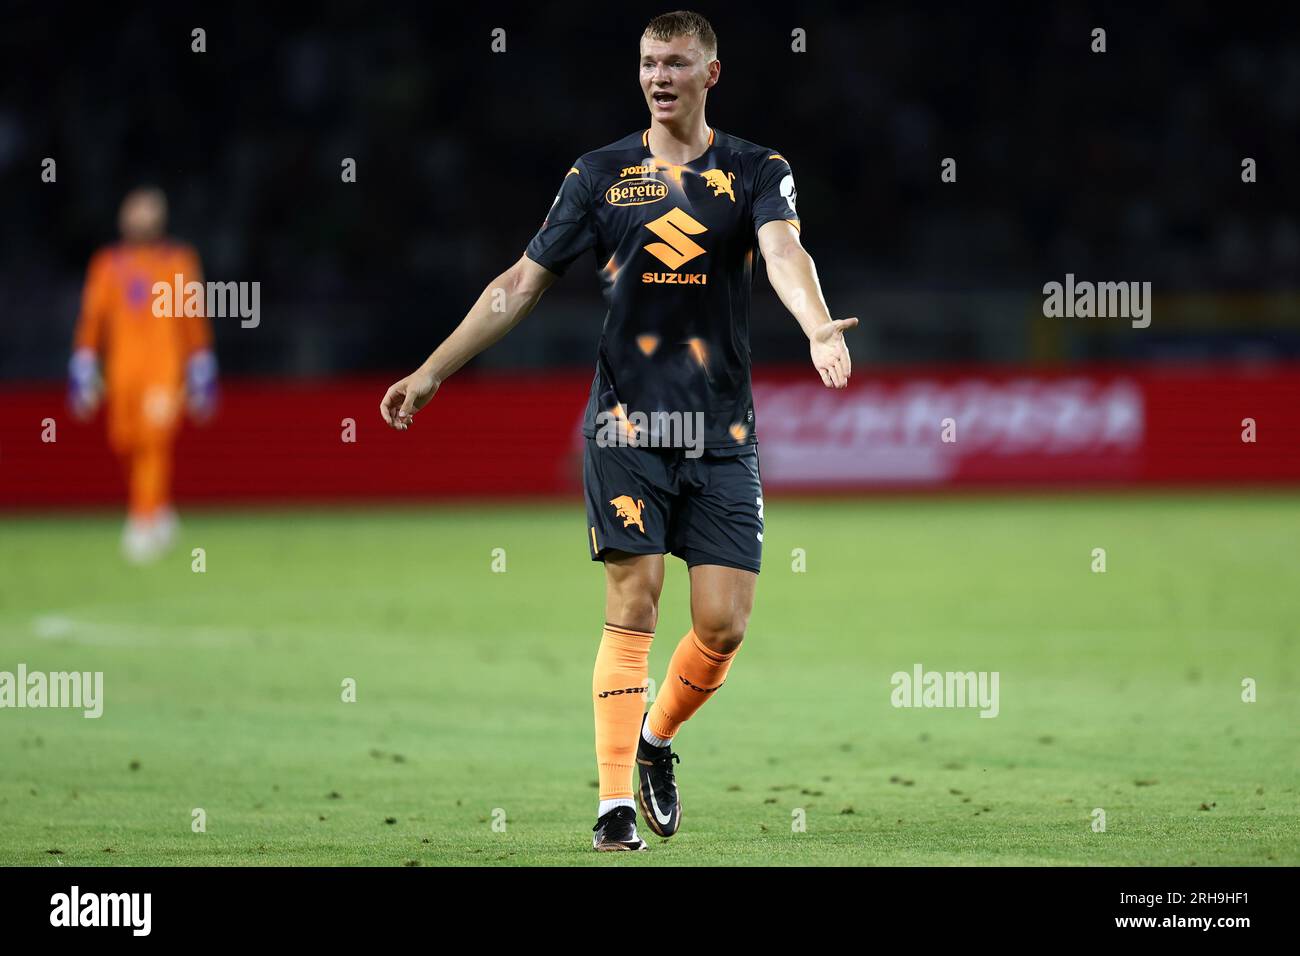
[567,232]
[85,383]
[500,307]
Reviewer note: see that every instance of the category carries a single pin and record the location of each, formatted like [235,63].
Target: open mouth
[662,98]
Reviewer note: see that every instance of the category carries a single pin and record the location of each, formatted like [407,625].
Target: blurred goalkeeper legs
[142,427]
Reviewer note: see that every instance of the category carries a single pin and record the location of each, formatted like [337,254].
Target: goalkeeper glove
[201,383]
[85,387]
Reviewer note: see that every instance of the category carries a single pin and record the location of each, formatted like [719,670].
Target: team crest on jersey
[721,182]
[137,291]
[629,511]
[635,192]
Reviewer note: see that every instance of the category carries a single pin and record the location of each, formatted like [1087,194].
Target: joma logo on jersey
[675,228]
[636,171]
[635,192]
[629,511]
[721,182]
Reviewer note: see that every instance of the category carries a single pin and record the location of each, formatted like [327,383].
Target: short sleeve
[774,192]
[569,229]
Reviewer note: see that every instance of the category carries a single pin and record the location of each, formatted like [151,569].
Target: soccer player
[152,365]
[673,213]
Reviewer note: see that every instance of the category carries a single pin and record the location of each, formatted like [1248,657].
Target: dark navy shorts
[705,510]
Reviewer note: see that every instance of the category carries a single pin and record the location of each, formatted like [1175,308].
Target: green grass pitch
[1119,690]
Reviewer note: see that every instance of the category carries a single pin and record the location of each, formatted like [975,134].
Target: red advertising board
[493,435]
[1075,427]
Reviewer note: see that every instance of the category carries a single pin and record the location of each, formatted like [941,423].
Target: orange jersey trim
[645,138]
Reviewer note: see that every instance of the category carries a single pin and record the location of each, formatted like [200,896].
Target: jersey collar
[645,138]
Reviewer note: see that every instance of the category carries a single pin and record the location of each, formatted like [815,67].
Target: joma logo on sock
[702,690]
[615,693]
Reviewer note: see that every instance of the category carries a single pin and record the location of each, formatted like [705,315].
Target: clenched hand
[407,397]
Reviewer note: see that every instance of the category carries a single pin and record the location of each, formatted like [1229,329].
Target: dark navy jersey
[674,248]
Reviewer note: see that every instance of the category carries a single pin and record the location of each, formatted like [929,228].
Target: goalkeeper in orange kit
[147,368]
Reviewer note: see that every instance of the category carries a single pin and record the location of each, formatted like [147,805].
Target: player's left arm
[200,361]
[793,275]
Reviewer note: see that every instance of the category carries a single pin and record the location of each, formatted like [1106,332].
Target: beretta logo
[635,192]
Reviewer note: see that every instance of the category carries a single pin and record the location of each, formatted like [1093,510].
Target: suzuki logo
[675,229]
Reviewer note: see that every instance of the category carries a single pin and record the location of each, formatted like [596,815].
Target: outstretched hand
[830,354]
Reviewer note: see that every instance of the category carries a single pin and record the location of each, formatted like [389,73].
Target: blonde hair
[684,23]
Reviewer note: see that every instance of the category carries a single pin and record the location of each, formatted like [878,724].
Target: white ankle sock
[651,739]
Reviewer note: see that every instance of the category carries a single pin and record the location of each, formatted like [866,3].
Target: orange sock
[618,687]
[694,673]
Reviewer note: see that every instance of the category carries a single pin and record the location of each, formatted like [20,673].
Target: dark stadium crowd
[1118,165]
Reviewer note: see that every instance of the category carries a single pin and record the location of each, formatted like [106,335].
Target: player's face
[674,76]
[143,216]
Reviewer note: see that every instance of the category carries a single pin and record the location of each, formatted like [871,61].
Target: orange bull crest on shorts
[629,511]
